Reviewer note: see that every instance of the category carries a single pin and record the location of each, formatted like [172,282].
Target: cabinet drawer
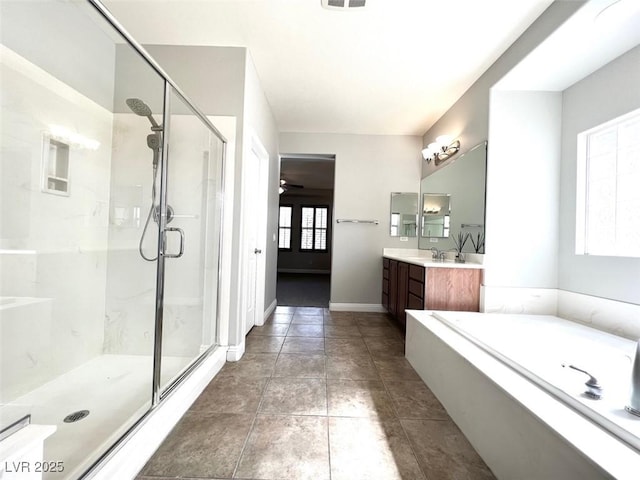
[385,262]
[416,288]
[415,303]
[416,272]
[385,286]
[385,273]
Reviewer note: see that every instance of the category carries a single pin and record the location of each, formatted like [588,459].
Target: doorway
[305,230]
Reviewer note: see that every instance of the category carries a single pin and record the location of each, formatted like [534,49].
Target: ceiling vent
[342,4]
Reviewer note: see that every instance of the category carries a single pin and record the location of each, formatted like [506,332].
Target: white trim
[303,270]
[252,145]
[357,307]
[138,449]
[235,352]
[270,309]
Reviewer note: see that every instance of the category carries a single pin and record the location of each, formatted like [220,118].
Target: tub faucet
[594,389]
[634,399]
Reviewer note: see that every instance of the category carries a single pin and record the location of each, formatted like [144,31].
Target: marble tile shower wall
[65,237]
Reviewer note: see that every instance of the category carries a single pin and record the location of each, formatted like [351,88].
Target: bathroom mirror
[436,215]
[404,214]
[462,181]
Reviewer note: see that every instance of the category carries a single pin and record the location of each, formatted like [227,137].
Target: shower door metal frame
[157,394]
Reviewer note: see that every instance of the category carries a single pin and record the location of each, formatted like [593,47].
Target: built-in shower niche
[55,166]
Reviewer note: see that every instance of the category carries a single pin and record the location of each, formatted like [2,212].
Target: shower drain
[75,416]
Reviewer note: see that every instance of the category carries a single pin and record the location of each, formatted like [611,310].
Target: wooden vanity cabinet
[413,287]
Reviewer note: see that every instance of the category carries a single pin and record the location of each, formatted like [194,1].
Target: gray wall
[368,168]
[259,119]
[607,93]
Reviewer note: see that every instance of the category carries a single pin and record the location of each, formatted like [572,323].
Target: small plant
[478,242]
[460,241]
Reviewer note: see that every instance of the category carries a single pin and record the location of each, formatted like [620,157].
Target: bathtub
[501,379]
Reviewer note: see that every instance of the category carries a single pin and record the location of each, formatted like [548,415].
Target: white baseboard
[303,270]
[142,444]
[356,307]
[270,309]
[235,352]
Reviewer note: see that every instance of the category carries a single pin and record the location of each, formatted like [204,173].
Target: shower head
[138,107]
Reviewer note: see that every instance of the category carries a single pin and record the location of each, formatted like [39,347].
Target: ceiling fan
[284,185]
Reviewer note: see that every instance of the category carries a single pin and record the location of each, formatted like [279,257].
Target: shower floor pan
[115,389]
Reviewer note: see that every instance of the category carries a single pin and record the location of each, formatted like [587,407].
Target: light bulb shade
[444,140]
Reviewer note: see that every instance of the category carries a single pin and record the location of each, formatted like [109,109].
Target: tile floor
[318,395]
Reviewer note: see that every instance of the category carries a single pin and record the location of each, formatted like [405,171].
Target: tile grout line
[326,386]
[255,416]
[395,409]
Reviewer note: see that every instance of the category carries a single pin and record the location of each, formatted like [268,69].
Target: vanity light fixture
[442,149]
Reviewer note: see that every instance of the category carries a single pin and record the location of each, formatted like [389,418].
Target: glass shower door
[191,245]
[77,300]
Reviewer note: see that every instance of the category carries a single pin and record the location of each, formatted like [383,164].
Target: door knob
[257,250]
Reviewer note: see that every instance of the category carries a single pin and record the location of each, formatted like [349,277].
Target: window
[313,236]
[284,227]
[608,197]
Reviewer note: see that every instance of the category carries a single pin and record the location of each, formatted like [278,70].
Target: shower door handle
[181,251]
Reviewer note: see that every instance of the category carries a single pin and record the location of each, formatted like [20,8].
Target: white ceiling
[393,67]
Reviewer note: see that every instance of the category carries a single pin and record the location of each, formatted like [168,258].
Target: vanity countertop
[423,258]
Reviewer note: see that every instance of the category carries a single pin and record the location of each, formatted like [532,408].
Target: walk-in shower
[102,311]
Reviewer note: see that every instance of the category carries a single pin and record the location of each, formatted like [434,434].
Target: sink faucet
[435,253]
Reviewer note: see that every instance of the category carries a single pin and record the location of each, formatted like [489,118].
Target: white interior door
[255,213]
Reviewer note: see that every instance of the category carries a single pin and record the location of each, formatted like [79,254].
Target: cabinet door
[453,289]
[393,288]
[385,285]
[403,292]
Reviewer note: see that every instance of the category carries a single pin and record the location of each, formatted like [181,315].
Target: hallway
[318,395]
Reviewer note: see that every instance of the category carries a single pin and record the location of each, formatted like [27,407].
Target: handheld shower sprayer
[138,107]
[154,142]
